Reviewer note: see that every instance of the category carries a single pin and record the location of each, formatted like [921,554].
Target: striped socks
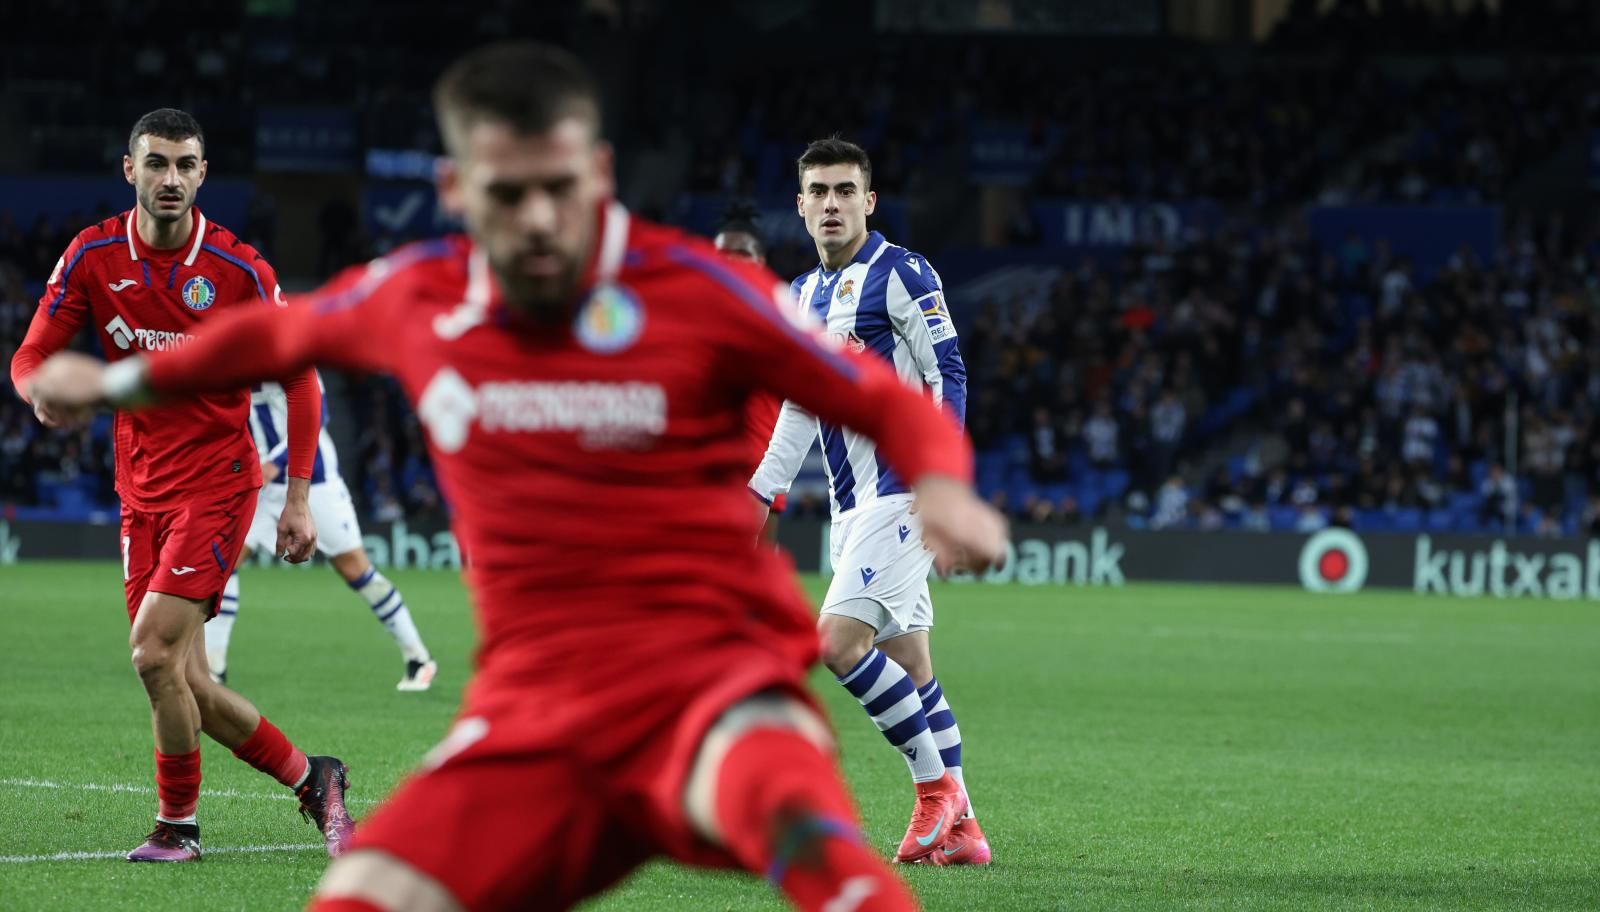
[886,692]
[942,723]
[390,609]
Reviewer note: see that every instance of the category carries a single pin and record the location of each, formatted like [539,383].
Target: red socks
[784,814]
[177,784]
[270,752]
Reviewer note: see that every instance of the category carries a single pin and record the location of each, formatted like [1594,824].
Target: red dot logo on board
[1333,560]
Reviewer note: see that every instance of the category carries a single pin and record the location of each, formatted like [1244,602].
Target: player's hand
[297,534]
[66,389]
[963,532]
[269,472]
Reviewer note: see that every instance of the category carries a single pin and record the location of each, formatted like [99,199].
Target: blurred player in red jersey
[152,279]
[739,239]
[582,377]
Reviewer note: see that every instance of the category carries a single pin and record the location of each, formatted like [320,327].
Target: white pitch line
[125,789]
[94,856]
[140,789]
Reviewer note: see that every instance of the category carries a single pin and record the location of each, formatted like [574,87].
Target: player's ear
[604,167]
[872,201]
[447,177]
[800,204]
[202,178]
[127,168]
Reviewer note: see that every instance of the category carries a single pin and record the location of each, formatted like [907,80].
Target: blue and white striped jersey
[888,301]
[269,426]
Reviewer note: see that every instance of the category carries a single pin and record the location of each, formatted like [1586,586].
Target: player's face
[739,245]
[531,202]
[165,174]
[835,202]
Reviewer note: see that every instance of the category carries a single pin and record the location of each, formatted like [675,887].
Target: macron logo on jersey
[603,415]
[127,337]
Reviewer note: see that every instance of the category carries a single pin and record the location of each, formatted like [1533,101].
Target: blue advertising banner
[1009,153]
[1428,235]
[75,202]
[307,139]
[402,164]
[406,208]
[1086,224]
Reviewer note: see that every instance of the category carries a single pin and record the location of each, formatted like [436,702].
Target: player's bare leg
[887,692]
[966,844]
[368,880]
[163,631]
[389,607]
[235,723]
[765,787]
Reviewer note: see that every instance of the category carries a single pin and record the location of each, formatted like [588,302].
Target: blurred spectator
[1499,493]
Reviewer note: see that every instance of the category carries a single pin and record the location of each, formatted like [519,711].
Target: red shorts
[187,551]
[529,803]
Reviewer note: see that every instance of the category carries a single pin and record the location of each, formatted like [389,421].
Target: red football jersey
[596,468]
[141,299]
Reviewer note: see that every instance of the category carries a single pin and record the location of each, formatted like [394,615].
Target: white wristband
[123,383]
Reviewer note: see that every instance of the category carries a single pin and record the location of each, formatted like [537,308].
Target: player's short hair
[740,218]
[167,123]
[525,85]
[835,151]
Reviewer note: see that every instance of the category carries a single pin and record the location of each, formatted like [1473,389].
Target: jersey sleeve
[346,324]
[791,440]
[767,344]
[63,310]
[917,308]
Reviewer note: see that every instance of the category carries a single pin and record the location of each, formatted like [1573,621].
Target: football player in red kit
[150,280]
[582,377]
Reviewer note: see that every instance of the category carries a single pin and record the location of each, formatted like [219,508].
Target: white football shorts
[878,556]
[338,530]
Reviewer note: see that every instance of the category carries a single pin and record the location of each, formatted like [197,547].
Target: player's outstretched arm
[248,346]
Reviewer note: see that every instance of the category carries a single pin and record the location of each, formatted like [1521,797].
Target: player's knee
[155,661]
[351,564]
[842,645]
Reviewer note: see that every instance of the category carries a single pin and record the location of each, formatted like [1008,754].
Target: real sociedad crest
[610,320]
[847,292]
[199,293]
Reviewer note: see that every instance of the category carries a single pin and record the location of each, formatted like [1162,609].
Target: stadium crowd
[1244,378]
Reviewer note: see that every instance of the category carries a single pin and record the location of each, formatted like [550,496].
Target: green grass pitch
[1146,748]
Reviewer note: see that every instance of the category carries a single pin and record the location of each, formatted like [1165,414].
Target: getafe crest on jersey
[610,320]
[199,293]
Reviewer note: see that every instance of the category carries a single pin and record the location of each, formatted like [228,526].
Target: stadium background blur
[1240,264]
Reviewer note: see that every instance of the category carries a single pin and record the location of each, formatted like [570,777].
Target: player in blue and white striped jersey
[873,295]
[338,538]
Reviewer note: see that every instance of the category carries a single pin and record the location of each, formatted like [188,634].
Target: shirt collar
[137,249]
